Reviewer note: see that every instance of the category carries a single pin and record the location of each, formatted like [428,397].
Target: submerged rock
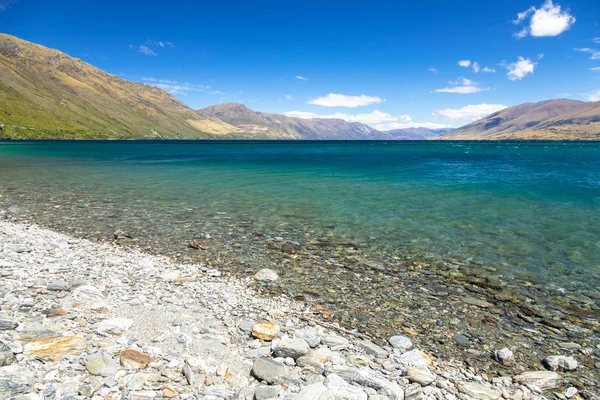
[560,363]
[266,275]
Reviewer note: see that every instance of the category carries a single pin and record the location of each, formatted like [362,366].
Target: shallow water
[526,208]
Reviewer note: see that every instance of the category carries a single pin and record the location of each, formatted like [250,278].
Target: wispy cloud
[596,40]
[470,112]
[289,97]
[462,86]
[342,100]
[158,43]
[432,69]
[474,65]
[301,78]
[593,96]
[376,119]
[4,4]
[595,69]
[548,20]
[594,54]
[146,50]
[519,69]
[180,88]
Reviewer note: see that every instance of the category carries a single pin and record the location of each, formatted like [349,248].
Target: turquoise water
[522,207]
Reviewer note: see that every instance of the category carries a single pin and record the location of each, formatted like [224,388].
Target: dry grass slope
[45,94]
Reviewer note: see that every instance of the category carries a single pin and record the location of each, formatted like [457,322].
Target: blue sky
[389,64]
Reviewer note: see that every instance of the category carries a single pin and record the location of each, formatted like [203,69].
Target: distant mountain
[277,126]
[44,93]
[416,133]
[547,120]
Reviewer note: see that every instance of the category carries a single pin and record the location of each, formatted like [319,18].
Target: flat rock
[135,359]
[376,380]
[478,391]
[59,285]
[267,369]
[88,292]
[461,340]
[371,348]
[545,380]
[316,391]
[266,275]
[401,342]
[8,324]
[264,392]
[291,347]
[310,335]
[114,326]
[476,302]
[343,390]
[265,330]
[101,363]
[422,376]
[55,348]
[413,358]
[335,342]
[560,363]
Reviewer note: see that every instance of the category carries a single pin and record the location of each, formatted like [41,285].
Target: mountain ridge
[557,119]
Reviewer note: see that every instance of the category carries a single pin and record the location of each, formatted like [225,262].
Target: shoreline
[194,320]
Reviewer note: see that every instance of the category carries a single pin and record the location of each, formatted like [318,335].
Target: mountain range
[46,94]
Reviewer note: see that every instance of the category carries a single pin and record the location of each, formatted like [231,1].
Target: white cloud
[376,119]
[520,69]
[593,96]
[596,40]
[595,69]
[146,50]
[474,65]
[594,54]
[158,43]
[433,69]
[5,3]
[342,100]
[548,20]
[289,97]
[301,78]
[462,86]
[471,112]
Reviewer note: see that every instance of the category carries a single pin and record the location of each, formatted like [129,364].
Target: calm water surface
[522,207]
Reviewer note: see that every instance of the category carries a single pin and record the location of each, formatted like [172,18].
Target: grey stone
[461,340]
[88,292]
[316,391]
[311,362]
[189,374]
[6,355]
[376,380]
[310,335]
[59,285]
[413,358]
[343,390]
[7,324]
[372,348]
[219,391]
[478,391]
[246,325]
[101,363]
[291,347]
[264,392]
[570,392]
[560,363]
[504,356]
[335,342]
[401,342]
[260,352]
[267,370]
[266,275]
[343,371]
[114,326]
[545,380]
[477,302]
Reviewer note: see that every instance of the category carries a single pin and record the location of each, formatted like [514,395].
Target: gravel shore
[80,319]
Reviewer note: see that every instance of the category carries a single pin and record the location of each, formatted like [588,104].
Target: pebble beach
[82,319]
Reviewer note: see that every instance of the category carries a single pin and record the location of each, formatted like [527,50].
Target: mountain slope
[547,120]
[44,93]
[277,126]
[416,133]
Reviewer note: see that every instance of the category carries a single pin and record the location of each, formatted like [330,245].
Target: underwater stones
[560,363]
[504,356]
[266,275]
